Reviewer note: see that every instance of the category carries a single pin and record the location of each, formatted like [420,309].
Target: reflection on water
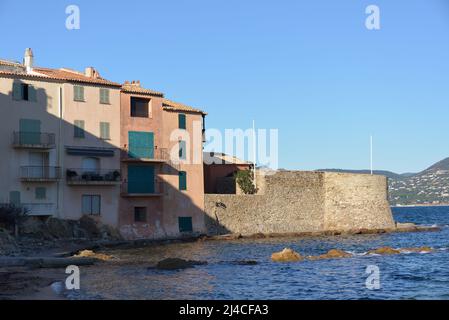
[405,276]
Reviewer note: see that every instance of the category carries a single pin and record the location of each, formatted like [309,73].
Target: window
[90,164]
[182,150]
[91,204]
[104,96]
[104,131]
[185,224]
[79,129]
[78,93]
[182,121]
[139,107]
[140,214]
[23,91]
[182,180]
[40,193]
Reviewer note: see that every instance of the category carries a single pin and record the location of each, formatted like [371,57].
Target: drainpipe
[59,154]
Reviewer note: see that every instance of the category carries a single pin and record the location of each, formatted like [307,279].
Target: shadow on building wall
[77,163]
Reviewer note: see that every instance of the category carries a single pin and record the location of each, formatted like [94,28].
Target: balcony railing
[93,177]
[34,140]
[39,209]
[130,189]
[40,173]
[146,154]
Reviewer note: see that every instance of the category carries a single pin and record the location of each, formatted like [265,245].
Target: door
[140,179]
[141,144]
[30,131]
[38,165]
[14,198]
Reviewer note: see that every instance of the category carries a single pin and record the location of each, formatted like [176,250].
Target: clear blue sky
[309,68]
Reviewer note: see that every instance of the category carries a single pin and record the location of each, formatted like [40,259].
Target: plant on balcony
[71,174]
[244,179]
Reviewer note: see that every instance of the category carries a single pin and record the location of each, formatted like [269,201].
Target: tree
[245,180]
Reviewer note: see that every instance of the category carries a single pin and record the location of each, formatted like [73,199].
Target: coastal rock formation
[332,254]
[91,254]
[176,264]
[418,250]
[286,255]
[384,251]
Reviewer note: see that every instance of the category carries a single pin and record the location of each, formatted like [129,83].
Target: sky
[309,68]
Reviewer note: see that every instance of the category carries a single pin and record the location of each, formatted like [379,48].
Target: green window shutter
[185,224]
[78,93]
[79,129]
[182,180]
[17,91]
[104,130]
[182,121]
[14,198]
[30,131]
[141,144]
[141,179]
[182,150]
[32,94]
[41,193]
[104,96]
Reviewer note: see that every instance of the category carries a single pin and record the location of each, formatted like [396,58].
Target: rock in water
[419,250]
[176,264]
[286,255]
[91,254]
[332,254]
[384,251]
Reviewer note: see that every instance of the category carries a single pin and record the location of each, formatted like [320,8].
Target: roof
[175,106]
[221,158]
[137,89]
[18,69]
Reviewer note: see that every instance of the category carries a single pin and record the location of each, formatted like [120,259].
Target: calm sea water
[405,276]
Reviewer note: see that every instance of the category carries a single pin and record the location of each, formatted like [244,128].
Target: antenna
[254,154]
[371,153]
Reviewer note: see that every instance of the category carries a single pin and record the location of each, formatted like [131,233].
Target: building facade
[75,144]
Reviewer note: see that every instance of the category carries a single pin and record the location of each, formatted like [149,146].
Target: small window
[182,180]
[104,96]
[78,129]
[23,91]
[182,121]
[185,224]
[78,93]
[140,214]
[182,150]
[41,193]
[91,205]
[139,107]
[104,131]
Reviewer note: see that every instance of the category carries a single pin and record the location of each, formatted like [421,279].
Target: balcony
[82,177]
[40,174]
[39,209]
[139,192]
[160,155]
[33,140]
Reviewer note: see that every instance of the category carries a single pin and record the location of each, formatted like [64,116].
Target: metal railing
[34,139]
[93,175]
[147,154]
[40,173]
[132,189]
[39,209]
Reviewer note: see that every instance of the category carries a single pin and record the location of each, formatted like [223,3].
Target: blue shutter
[140,179]
[14,198]
[182,180]
[185,224]
[78,129]
[32,94]
[182,121]
[17,91]
[182,150]
[41,193]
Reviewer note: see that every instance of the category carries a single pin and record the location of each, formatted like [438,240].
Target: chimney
[28,60]
[91,72]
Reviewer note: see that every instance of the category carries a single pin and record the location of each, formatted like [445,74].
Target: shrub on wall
[245,180]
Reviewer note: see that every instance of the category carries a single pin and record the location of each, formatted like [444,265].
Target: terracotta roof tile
[71,75]
[131,88]
[175,106]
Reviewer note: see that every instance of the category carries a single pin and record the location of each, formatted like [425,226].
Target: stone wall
[299,201]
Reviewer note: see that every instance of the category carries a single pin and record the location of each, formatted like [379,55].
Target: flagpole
[254,154]
[371,153]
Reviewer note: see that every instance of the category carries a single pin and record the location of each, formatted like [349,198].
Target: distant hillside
[430,186]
